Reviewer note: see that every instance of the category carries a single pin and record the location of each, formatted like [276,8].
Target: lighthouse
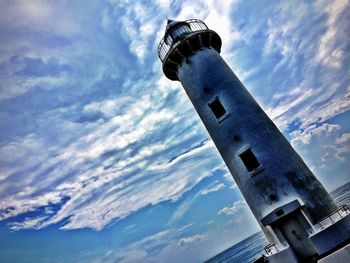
[289,203]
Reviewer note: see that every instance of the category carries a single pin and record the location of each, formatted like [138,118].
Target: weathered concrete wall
[340,256]
[284,176]
[333,235]
[284,256]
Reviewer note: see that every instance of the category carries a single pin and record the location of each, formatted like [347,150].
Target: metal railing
[262,259]
[195,25]
[271,249]
[342,208]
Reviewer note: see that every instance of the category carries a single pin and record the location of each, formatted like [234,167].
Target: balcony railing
[271,249]
[335,216]
[195,25]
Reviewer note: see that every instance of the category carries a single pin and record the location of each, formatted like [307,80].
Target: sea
[252,247]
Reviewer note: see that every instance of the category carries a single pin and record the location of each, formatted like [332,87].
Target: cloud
[101,127]
[304,136]
[97,148]
[336,146]
[129,228]
[330,51]
[182,209]
[188,240]
[160,242]
[121,173]
[36,67]
[182,244]
[344,138]
[231,210]
[304,88]
[28,223]
[212,189]
[325,149]
[288,102]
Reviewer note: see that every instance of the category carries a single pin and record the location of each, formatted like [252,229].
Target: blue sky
[104,159]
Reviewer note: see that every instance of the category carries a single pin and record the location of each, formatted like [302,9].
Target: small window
[279,212]
[217,108]
[249,160]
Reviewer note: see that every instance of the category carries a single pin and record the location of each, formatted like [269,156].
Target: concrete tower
[283,194]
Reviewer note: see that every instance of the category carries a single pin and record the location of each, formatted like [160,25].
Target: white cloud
[279,28]
[141,29]
[325,150]
[28,223]
[27,151]
[201,246]
[329,53]
[100,162]
[304,136]
[344,138]
[188,240]
[181,210]
[288,102]
[311,57]
[216,15]
[231,210]
[14,151]
[212,189]
[185,227]
[118,200]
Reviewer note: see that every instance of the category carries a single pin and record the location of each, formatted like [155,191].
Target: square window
[249,160]
[279,212]
[217,108]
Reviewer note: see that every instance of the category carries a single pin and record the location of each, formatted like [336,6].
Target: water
[341,195]
[244,251]
[253,246]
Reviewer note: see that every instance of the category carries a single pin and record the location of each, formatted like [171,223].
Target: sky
[103,159]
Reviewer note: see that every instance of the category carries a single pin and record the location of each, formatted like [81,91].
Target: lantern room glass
[176,32]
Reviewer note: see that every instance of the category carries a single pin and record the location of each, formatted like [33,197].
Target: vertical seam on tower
[180,54]
[189,46]
[209,44]
[200,41]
